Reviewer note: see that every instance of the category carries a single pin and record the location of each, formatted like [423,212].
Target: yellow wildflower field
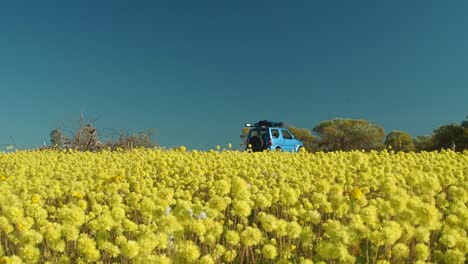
[178,206]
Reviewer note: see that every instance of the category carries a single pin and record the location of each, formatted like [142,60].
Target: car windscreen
[286,134]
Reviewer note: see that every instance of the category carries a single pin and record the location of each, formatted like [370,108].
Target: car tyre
[257,143]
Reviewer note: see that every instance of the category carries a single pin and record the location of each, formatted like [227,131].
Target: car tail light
[269,142]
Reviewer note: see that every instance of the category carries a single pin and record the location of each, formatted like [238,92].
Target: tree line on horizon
[341,134]
[352,134]
[87,138]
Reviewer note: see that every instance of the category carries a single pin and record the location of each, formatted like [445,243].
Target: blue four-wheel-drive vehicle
[268,135]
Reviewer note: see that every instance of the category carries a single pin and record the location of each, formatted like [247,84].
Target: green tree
[349,134]
[451,136]
[141,139]
[464,124]
[305,135]
[399,141]
[423,143]
[57,138]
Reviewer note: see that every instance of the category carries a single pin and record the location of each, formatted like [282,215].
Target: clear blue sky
[196,71]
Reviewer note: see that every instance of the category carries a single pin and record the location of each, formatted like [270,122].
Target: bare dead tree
[87,138]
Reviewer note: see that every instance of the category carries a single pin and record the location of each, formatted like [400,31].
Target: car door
[276,139]
[288,140]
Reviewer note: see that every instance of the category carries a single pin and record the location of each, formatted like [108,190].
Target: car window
[257,132]
[275,133]
[286,134]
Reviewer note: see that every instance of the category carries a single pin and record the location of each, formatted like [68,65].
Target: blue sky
[196,71]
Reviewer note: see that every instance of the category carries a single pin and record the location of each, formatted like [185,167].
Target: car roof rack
[265,123]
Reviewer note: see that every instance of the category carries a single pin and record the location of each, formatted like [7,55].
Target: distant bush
[137,140]
[87,138]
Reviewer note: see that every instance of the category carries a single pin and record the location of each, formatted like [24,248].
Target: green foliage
[464,124]
[399,141]
[57,138]
[305,135]
[423,143]
[349,134]
[137,140]
[452,136]
[86,139]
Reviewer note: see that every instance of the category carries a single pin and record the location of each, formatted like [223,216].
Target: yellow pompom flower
[64,260]
[400,251]
[232,237]
[222,187]
[269,252]
[35,199]
[391,232]
[78,195]
[87,248]
[449,237]
[307,237]
[129,225]
[160,259]
[230,256]
[242,208]
[5,225]
[293,230]
[268,222]
[118,213]
[305,261]
[289,196]
[218,251]
[130,249]
[454,256]
[73,216]
[240,189]
[55,203]
[262,201]
[422,234]
[251,236]
[30,254]
[207,259]
[281,227]
[422,251]
[356,193]
[32,237]
[315,217]
[187,252]
[327,250]
[11,260]
[109,248]
[217,203]
[197,227]
[70,233]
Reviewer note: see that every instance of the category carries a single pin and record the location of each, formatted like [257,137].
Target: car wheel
[278,149]
[257,143]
